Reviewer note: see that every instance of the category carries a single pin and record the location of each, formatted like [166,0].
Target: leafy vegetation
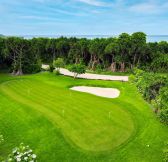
[120,54]
[58,63]
[77,69]
[154,88]
[22,154]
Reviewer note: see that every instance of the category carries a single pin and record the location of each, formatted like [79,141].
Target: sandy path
[94,76]
[103,92]
[90,76]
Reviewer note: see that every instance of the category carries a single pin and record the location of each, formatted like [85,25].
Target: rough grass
[64,125]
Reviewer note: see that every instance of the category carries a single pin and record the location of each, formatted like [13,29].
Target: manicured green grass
[64,125]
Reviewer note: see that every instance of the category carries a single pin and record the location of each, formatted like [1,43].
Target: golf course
[63,125]
[84,81]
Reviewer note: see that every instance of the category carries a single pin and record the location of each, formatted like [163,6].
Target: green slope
[64,125]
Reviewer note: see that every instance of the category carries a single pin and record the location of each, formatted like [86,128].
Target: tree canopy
[120,54]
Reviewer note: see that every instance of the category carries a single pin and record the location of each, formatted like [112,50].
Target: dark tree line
[116,54]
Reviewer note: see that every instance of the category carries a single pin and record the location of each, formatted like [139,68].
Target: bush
[22,154]
[56,72]
[164,115]
[32,68]
[99,68]
[154,88]
[58,63]
[164,97]
[149,84]
[77,69]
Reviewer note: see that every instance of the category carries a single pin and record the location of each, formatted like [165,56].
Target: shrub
[99,68]
[32,68]
[160,62]
[164,97]
[77,69]
[56,72]
[58,63]
[164,116]
[154,88]
[22,154]
[149,84]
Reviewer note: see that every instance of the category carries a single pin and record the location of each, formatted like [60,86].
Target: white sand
[45,67]
[94,76]
[103,92]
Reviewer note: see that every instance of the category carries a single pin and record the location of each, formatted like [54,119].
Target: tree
[138,45]
[160,62]
[112,49]
[38,47]
[51,49]
[74,53]
[84,51]
[62,47]
[124,49]
[58,63]
[77,69]
[94,49]
[15,48]
[163,47]
[1,50]
[117,54]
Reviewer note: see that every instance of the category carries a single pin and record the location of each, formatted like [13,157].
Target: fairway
[65,125]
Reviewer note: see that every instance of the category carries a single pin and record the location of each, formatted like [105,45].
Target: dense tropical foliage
[115,54]
[154,88]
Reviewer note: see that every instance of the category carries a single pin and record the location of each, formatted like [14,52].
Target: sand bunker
[103,92]
[45,67]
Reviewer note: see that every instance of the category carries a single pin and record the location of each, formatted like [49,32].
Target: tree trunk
[113,67]
[134,60]
[90,63]
[75,75]
[19,72]
[54,54]
[138,60]
[131,66]
[14,64]
[122,65]
[93,65]
[95,61]
[77,60]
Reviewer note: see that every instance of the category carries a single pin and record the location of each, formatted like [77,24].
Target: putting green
[93,126]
